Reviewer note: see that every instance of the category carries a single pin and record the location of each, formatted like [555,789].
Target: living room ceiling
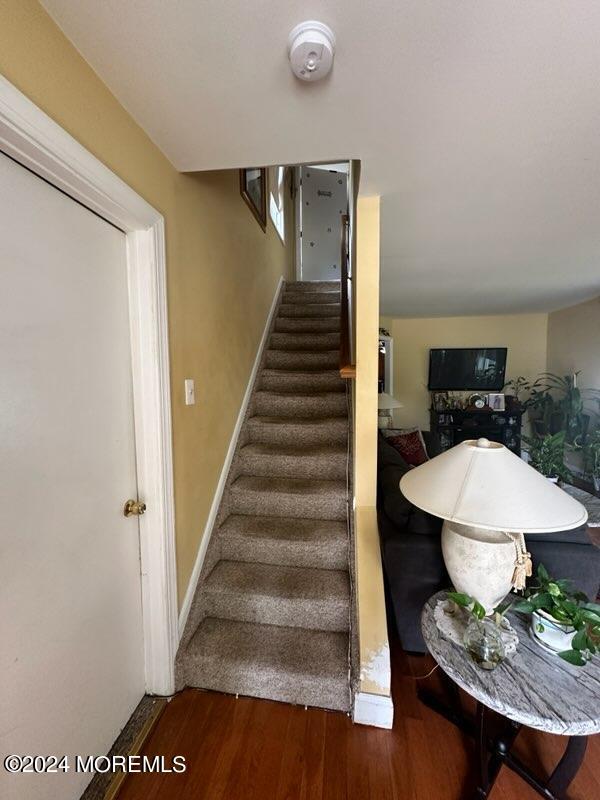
[478,123]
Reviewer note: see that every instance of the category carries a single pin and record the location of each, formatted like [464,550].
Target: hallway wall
[222,270]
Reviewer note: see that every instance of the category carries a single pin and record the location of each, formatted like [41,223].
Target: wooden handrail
[347,368]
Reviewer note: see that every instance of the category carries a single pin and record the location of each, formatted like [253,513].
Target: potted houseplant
[591,457]
[547,455]
[516,386]
[568,414]
[563,620]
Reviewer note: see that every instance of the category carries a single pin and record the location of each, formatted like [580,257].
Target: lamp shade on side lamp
[385,404]
[488,498]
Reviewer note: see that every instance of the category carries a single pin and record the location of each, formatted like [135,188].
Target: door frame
[298,222]
[34,140]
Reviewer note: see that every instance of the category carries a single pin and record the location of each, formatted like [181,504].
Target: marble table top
[532,687]
[589,501]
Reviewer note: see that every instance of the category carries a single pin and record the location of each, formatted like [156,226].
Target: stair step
[307,324]
[304,341]
[299,431]
[304,297]
[327,462]
[286,664]
[302,360]
[298,597]
[320,543]
[312,286]
[275,380]
[292,404]
[289,497]
[309,310]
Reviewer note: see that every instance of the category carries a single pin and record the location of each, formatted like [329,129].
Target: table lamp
[488,498]
[385,404]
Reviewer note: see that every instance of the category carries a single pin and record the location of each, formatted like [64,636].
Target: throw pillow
[409,443]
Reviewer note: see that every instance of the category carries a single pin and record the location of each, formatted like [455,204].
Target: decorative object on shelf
[488,498]
[496,401]
[454,425]
[440,401]
[476,402]
[384,332]
[253,188]
[547,455]
[451,620]
[385,404]
[409,443]
[563,621]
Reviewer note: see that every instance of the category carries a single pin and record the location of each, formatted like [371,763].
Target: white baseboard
[373,709]
[212,515]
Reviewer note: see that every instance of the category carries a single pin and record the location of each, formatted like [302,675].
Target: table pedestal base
[493,752]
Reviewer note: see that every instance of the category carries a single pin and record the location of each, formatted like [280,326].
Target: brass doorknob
[134,508]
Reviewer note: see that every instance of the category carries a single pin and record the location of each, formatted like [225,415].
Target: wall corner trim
[375,710]
[218,496]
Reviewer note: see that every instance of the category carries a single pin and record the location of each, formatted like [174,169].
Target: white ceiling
[478,123]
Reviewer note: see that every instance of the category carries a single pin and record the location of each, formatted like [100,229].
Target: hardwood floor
[249,749]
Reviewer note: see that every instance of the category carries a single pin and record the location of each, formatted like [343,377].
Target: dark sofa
[412,553]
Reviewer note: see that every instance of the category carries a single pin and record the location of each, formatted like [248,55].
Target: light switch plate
[190,392]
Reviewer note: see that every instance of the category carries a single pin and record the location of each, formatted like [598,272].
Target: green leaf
[478,609]
[542,573]
[573,657]
[461,599]
[590,616]
[525,606]
[593,607]
[541,600]
[580,641]
[554,589]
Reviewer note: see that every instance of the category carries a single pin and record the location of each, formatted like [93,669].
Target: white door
[324,201]
[71,652]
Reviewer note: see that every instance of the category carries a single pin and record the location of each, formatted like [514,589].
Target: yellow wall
[372,626]
[574,344]
[524,335]
[222,269]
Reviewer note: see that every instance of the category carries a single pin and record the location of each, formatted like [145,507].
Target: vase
[551,634]
[481,563]
[484,643]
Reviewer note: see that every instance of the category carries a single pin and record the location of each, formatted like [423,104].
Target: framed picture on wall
[253,188]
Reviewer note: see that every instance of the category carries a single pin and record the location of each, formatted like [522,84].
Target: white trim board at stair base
[373,709]
[33,139]
[214,509]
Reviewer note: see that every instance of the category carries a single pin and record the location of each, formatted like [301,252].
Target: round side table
[532,688]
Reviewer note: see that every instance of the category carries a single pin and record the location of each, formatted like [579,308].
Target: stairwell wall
[373,703]
[222,270]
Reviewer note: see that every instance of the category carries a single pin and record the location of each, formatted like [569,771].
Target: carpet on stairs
[272,613]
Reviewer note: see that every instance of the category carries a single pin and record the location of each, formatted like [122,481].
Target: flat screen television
[476,368]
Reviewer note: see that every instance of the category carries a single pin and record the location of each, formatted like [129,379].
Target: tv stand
[454,425]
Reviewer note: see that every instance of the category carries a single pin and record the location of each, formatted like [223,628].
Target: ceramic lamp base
[481,563]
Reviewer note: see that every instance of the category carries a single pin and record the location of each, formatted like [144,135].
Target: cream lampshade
[385,404]
[489,498]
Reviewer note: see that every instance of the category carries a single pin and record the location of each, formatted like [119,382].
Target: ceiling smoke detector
[311,48]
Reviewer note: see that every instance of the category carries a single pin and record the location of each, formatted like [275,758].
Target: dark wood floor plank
[293,762]
[250,749]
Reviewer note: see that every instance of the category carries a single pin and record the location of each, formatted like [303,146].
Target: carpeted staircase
[272,609]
